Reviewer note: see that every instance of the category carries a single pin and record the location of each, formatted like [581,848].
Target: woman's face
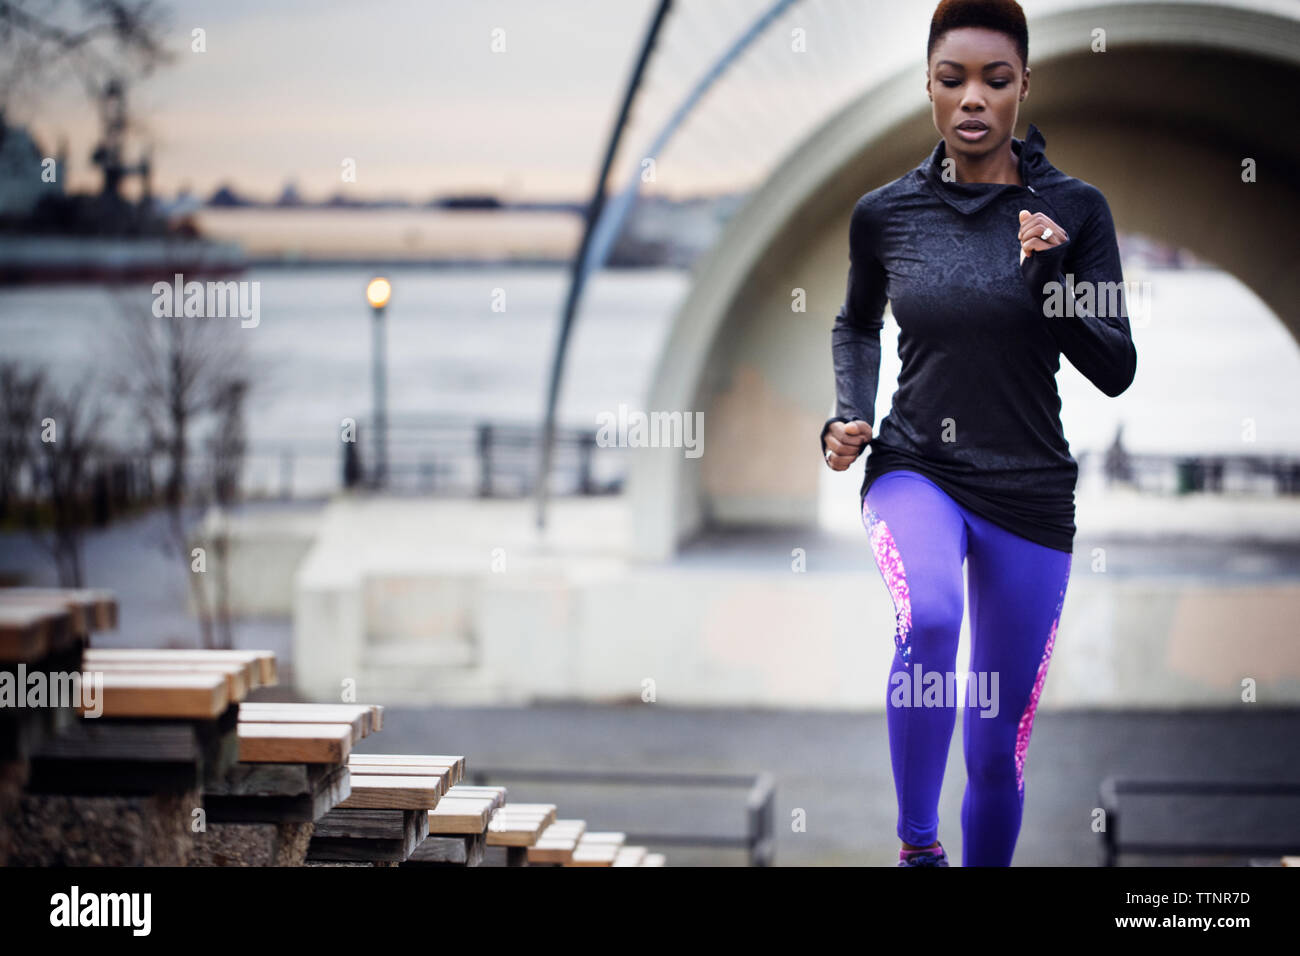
[976,77]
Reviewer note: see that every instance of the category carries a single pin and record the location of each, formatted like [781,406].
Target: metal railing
[758,841]
[448,455]
[1113,845]
[1276,474]
[464,457]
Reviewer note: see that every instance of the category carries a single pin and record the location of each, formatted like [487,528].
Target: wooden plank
[345,713]
[565,828]
[519,824]
[79,616]
[393,793]
[414,760]
[528,810]
[557,842]
[441,776]
[248,667]
[630,856]
[236,675]
[92,609]
[368,835]
[460,815]
[31,631]
[294,743]
[190,696]
[109,756]
[456,764]
[100,657]
[496,794]
[653,859]
[263,661]
[276,793]
[357,717]
[596,849]
[377,710]
[143,742]
[435,850]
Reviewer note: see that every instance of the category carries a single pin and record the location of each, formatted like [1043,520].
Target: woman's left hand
[1032,226]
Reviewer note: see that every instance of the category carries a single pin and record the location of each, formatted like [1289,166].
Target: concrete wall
[402,598]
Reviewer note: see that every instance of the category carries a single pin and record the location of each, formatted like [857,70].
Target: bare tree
[175,373]
[20,395]
[69,438]
[227,446]
[97,41]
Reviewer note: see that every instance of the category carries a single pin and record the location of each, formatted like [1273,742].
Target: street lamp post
[377,294]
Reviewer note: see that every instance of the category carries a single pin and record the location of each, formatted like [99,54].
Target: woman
[996,264]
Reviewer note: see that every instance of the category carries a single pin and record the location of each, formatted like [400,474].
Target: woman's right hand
[844,443]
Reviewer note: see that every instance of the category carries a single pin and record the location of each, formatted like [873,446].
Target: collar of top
[1035,171]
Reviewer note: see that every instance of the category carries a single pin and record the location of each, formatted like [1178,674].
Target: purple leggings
[920,537]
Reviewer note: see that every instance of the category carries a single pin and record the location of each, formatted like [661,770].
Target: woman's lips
[971,135]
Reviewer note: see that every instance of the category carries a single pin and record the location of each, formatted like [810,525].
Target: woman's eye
[998,84]
[950,83]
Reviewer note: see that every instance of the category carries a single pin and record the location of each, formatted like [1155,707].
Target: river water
[1211,357]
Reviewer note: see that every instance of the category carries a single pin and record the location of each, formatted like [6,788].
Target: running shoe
[931,857]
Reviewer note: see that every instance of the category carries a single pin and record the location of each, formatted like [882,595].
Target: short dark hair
[1005,16]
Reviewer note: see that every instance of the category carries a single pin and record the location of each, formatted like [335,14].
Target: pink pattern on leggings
[891,568]
[1027,718]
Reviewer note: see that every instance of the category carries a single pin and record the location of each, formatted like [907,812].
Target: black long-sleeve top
[981,335]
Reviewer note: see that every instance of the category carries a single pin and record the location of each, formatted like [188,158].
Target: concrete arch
[1183,94]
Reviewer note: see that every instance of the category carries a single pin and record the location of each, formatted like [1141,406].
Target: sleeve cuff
[1043,267]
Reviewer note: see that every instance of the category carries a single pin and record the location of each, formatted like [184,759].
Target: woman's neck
[999,166]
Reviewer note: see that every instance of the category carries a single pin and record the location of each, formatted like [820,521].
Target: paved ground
[835,767]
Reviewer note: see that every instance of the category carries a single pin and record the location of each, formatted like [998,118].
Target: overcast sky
[412,91]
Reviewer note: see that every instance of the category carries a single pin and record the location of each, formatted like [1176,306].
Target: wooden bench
[385,819]
[457,827]
[90,609]
[629,856]
[125,787]
[35,639]
[597,849]
[296,743]
[176,741]
[556,844]
[513,828]
[42,630]
[364,719]
[159,728]
[30,632]
[261,665]
[292,772]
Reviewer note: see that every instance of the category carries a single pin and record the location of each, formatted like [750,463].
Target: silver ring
[1047,233]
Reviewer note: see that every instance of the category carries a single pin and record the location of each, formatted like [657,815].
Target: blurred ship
[49,235]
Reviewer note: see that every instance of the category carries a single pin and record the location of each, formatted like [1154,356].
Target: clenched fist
[844,442]
[1033,226]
